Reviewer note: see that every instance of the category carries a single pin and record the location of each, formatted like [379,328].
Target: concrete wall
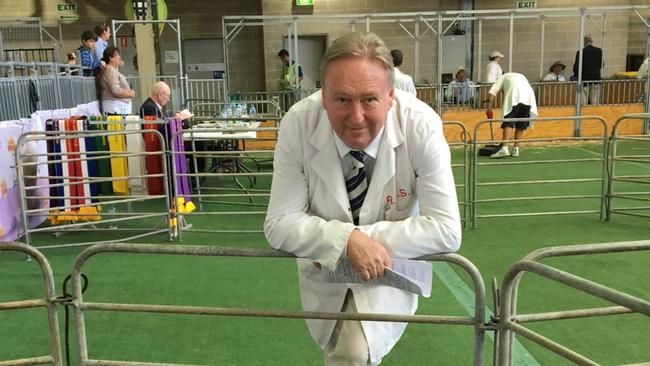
[199,19]
[255,66]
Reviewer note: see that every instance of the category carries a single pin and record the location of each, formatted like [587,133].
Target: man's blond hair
[355,44]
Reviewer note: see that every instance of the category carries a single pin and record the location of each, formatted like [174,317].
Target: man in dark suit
[592,62]
[155,104]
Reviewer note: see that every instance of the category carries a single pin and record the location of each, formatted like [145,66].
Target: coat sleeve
[289,226]
[436,228]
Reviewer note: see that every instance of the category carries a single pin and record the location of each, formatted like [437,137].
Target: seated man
[555,72]
[154,106]
[460,90]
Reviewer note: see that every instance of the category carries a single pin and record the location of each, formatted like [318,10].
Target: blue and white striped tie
[357,184]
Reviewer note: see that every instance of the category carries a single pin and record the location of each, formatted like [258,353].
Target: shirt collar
[372,149]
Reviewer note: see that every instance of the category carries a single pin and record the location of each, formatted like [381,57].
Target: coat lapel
[327,163]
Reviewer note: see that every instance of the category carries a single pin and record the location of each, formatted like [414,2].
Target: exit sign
[305,2]
[526,4]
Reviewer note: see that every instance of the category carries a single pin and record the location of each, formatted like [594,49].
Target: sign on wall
[67,11]
[526,4]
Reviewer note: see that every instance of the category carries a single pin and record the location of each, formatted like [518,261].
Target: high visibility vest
[289,74]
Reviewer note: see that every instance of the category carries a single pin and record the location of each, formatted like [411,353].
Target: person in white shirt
[402,81]
[643,70]
[518,102]
[361,173]
[461,89]
[555,72]
[493,70]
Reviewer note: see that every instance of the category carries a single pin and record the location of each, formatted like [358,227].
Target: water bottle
[229,111]
[224,113]
[238,111]
[253,111]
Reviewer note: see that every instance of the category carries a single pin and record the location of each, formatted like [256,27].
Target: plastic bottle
[252,112]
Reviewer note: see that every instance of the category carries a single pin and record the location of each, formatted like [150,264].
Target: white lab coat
[492,72]
[309,212]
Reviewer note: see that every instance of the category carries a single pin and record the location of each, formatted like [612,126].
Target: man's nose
[357,112]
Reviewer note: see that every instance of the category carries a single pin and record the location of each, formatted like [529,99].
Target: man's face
[357,98]
[163,97]
[461,75]
[89,44]
[107,34]
[557,69]
[284,59]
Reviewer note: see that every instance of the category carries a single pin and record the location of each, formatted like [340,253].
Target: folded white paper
[408,275]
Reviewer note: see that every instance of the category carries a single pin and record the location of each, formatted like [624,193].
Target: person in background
[493,70]
[361,173]
[518,102]
[402,81]
[103,33]
[155,104]
[87,54]
[461,89]
[555,72]
[72,61]
[289,71]
[116,94]
[592,62]
[643,70]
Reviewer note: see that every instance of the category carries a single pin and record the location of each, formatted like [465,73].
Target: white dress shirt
[554,77]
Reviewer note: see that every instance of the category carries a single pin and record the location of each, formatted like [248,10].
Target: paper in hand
[408,275]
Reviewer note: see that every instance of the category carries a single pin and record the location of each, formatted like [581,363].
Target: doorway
[311,50]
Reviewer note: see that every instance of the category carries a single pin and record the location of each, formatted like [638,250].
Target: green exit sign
[305,2]
[526,4]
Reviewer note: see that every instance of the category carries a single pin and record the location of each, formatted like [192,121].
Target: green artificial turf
[257,283]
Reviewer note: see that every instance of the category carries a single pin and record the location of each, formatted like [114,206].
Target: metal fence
[72,192]
[462,188]
[27,87]
[48,301]
[476,321]
[631,155]
[510,322]
[505,188]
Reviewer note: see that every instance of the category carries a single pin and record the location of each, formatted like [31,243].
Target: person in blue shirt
[461,90]
[87,55]
[103,34]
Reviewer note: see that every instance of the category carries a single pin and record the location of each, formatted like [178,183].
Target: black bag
[488,150]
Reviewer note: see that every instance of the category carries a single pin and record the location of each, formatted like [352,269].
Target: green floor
[493,246]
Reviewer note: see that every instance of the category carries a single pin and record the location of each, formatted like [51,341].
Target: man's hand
[489,114]
[367,255]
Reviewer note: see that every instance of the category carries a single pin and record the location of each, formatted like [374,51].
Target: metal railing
[82,308]
[28,87]
[510,322]
[47,301]
[464,165]
[284,98]
[638,156]
[206,89]
[139,84]
[226,149]
[506,185]
[74,206]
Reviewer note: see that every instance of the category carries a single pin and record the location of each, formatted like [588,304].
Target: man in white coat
[359,139]
[402,81]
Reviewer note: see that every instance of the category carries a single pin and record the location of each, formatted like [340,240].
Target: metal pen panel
[476,320]
[48,301]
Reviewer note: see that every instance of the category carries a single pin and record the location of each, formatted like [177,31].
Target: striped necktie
[357,184]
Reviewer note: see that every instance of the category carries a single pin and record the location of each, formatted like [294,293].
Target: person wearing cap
[402,81]
[461,89]
[592,62]
[518,102]
[555,72]
[493,70]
